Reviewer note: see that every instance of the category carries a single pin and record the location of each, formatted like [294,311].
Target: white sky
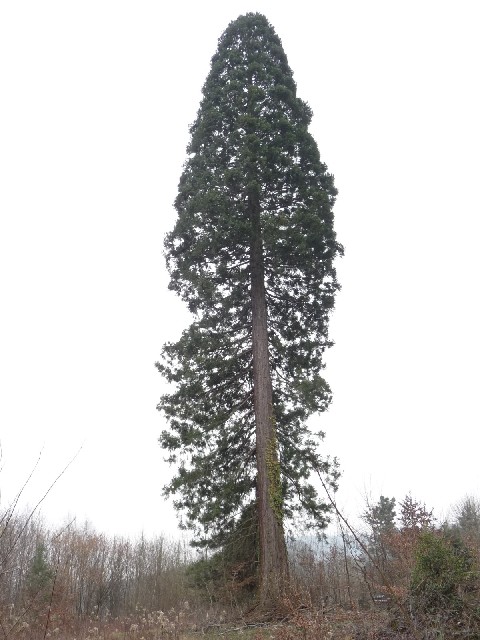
[96,99]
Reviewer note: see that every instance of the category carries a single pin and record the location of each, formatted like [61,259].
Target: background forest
[401,574]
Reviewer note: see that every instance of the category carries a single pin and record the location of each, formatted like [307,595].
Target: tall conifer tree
[252,255]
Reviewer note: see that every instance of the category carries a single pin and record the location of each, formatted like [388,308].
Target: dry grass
[210,624]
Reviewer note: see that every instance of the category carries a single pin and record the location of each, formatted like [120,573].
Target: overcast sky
[96,99]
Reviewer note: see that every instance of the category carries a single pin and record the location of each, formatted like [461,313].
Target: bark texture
[273,568]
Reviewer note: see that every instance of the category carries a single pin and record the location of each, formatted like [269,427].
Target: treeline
[75,574]
[402,561]
[424,573]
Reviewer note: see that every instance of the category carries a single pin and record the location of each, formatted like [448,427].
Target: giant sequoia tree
[252,255]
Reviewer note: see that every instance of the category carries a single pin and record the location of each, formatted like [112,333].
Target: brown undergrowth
[414,579]
[185,624]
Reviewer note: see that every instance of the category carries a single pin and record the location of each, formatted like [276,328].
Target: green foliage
[235,565]
[443,574]
[274,478]
[39,580]
[250,137]
[381,516]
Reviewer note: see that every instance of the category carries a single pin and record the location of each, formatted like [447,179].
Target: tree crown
[250,140]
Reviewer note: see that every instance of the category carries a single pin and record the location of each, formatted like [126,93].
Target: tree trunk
[273,569]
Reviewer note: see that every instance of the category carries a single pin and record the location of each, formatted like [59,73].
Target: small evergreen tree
[252,255]
[414,516]
[381,516]
[39,580]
